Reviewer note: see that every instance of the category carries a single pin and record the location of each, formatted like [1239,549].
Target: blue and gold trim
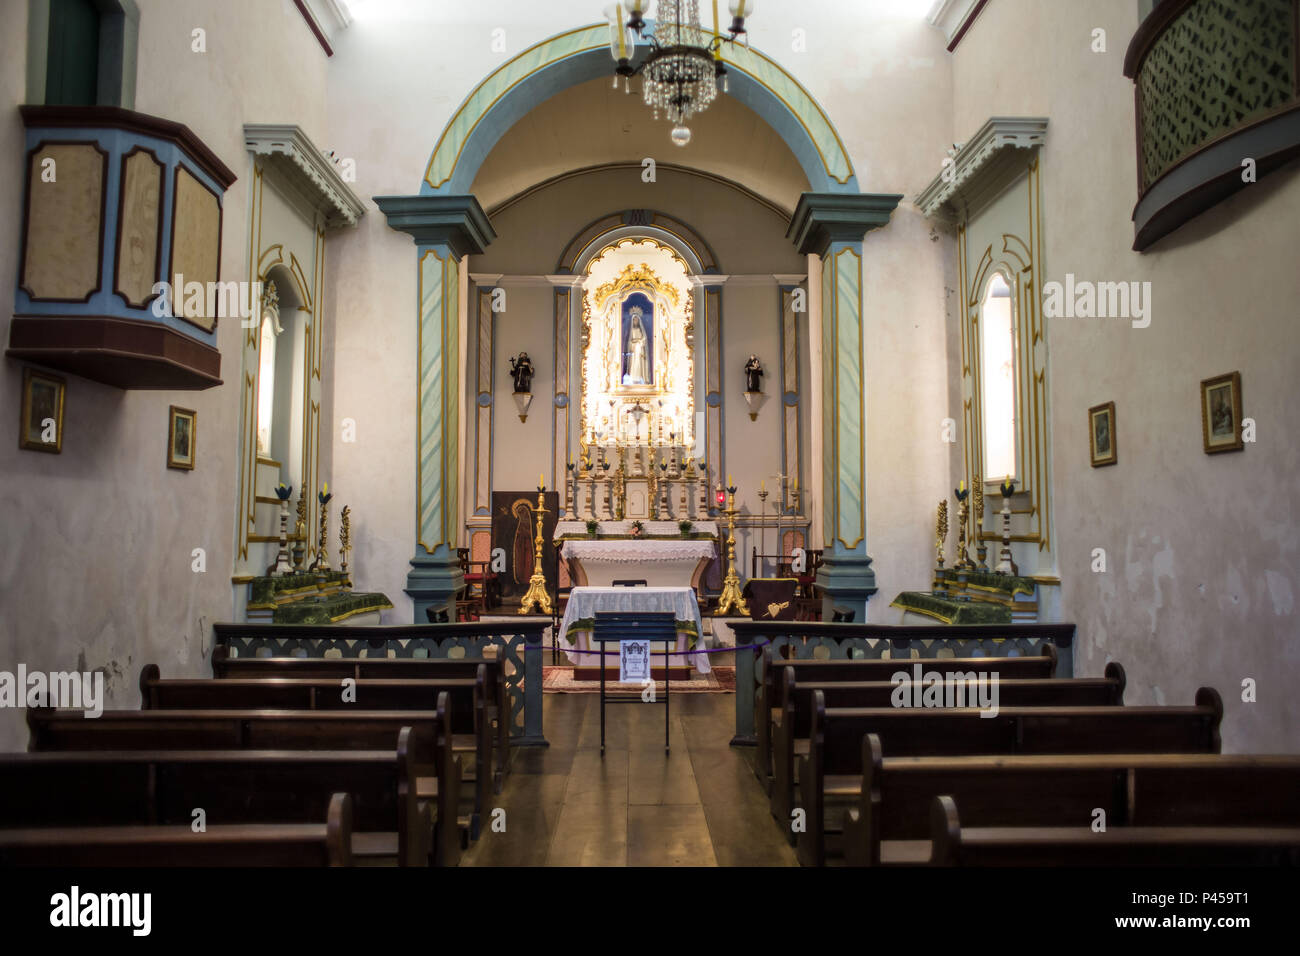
[579,55]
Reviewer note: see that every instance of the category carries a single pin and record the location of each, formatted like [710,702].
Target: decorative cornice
[823,218]
[289,149]
[457,222]
[980,164]
[954,18]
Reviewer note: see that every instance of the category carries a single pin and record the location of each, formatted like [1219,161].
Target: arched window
[266,370]
[998,378]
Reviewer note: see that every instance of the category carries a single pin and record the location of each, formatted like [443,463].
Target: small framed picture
[180,438]
[41,425]
[1101,435]
[1221,413]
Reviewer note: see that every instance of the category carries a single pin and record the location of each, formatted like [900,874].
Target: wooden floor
[701,805]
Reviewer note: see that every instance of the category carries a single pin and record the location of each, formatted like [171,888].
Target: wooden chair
[471,601]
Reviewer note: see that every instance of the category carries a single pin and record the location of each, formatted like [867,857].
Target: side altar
[659,554]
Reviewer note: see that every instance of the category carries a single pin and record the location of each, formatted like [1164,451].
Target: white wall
[1203,551]
[97,568]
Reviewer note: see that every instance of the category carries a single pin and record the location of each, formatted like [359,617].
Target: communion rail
[519,643]
[802,640]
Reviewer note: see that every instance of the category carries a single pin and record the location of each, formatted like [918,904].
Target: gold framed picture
[41,425]
[1221,413]
[180,438]
[1102,444]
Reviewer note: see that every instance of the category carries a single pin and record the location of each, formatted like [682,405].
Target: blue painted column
[445,230]
[832,226]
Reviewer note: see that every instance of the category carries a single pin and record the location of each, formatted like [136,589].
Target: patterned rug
[559,680]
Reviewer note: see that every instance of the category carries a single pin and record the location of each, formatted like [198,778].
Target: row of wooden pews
[855,777]
[274,761]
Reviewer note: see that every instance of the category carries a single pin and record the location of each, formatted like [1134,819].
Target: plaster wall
[99,571]
[1202,551]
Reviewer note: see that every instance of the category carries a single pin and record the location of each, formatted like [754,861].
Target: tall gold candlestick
[537,596]
[731,597]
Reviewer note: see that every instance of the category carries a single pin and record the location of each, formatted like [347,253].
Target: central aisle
[699,806]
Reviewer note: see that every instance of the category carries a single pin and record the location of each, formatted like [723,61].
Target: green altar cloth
[952,612]
[330,609]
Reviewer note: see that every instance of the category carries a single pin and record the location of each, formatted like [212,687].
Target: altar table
[584,602]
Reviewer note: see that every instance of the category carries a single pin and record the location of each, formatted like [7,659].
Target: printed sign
[633,661]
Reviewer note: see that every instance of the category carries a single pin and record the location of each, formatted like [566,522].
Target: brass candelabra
[537,596]
[981,549]
[345,537]
[731,597]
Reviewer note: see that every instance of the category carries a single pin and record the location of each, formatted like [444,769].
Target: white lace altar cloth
[585,602]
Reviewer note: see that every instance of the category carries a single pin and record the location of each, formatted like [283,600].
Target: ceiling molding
[954,18]
[980,166]
[288,149]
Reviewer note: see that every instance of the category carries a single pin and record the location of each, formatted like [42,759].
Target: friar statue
[638,350]
[521,370]
[753,375]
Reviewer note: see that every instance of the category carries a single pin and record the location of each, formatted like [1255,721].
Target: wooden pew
[1232,843]
[437,769]
[164,787]
[467,700]
[832,772]
[770,694]
[382,668]
[794,728]
[252,844]
[1134,789]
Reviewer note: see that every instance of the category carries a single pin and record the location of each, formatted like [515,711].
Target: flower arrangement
[637,529]
[685,527]
[593,527]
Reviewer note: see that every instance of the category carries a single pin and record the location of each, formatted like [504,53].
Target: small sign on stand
[633,662]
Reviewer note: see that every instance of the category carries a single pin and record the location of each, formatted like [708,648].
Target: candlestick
[537,595]
[731,597]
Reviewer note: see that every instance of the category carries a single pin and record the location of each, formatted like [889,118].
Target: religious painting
[638,340]
[514,529]
[41,425]
[1101,435]
[180,438]
[1221,413]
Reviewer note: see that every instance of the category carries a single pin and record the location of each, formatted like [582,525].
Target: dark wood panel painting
[514,526]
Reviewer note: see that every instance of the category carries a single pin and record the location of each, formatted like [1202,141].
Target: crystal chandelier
[682,72]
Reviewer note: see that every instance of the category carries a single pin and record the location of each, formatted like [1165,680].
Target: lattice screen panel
[1221,64]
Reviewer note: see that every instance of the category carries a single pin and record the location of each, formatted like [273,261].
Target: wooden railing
[903,642]
[519,643]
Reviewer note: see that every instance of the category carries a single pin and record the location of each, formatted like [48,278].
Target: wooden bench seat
[467,707]
[840,735]
[1135,789]
[242,845]
[769,695]
[437,769]
[1164,846]
[383,668]
[164,787]
[794,726]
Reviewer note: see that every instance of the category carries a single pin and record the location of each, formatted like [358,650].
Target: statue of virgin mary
[638,351]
